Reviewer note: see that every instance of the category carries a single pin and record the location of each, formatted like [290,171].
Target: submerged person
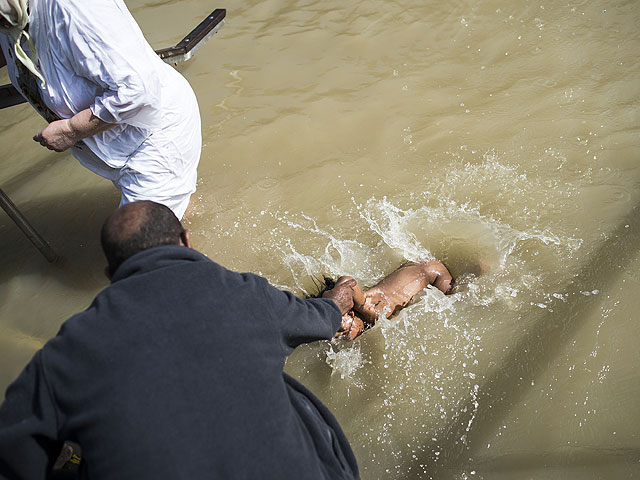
[176,371]
[124,113]
[391,294]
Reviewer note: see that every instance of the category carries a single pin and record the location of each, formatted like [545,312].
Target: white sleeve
[105,45]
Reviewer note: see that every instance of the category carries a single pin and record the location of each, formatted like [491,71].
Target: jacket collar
[156,258]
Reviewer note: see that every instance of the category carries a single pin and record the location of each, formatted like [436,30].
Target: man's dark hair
[135,227]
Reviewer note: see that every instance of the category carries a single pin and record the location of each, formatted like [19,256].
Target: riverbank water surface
[500,137]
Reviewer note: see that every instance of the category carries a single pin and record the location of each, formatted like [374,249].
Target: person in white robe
[124,113]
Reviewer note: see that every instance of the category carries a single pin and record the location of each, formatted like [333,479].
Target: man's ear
[184,239]
[107,273]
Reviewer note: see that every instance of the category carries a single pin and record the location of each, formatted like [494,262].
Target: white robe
[93,55]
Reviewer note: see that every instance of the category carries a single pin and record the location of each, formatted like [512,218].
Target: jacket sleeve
[105,45]
[28,426]
[299,320]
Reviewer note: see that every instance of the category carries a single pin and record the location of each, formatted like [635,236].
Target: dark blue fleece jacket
[176,372]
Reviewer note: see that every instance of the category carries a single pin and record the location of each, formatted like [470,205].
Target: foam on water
[473,245]
[345,361]
[488,247]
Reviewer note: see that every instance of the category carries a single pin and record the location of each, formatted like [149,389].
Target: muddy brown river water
[347,137]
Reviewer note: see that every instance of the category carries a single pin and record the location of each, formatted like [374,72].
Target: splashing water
[345,361]
[429,358]
[429,355]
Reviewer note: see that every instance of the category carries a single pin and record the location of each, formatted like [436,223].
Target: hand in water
[58,136]
[351,326]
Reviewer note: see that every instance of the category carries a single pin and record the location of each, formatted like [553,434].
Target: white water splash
[345,361]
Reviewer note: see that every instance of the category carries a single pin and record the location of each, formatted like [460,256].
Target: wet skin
[391,294]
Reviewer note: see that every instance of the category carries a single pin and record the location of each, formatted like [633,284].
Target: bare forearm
[62,134]
[85,124]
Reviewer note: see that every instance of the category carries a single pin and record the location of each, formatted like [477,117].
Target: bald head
[137,226]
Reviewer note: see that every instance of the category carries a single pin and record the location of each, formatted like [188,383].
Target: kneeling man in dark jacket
[175,371]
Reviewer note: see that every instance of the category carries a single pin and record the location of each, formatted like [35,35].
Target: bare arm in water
[391,294]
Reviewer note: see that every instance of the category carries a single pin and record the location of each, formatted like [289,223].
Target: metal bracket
[187,47]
